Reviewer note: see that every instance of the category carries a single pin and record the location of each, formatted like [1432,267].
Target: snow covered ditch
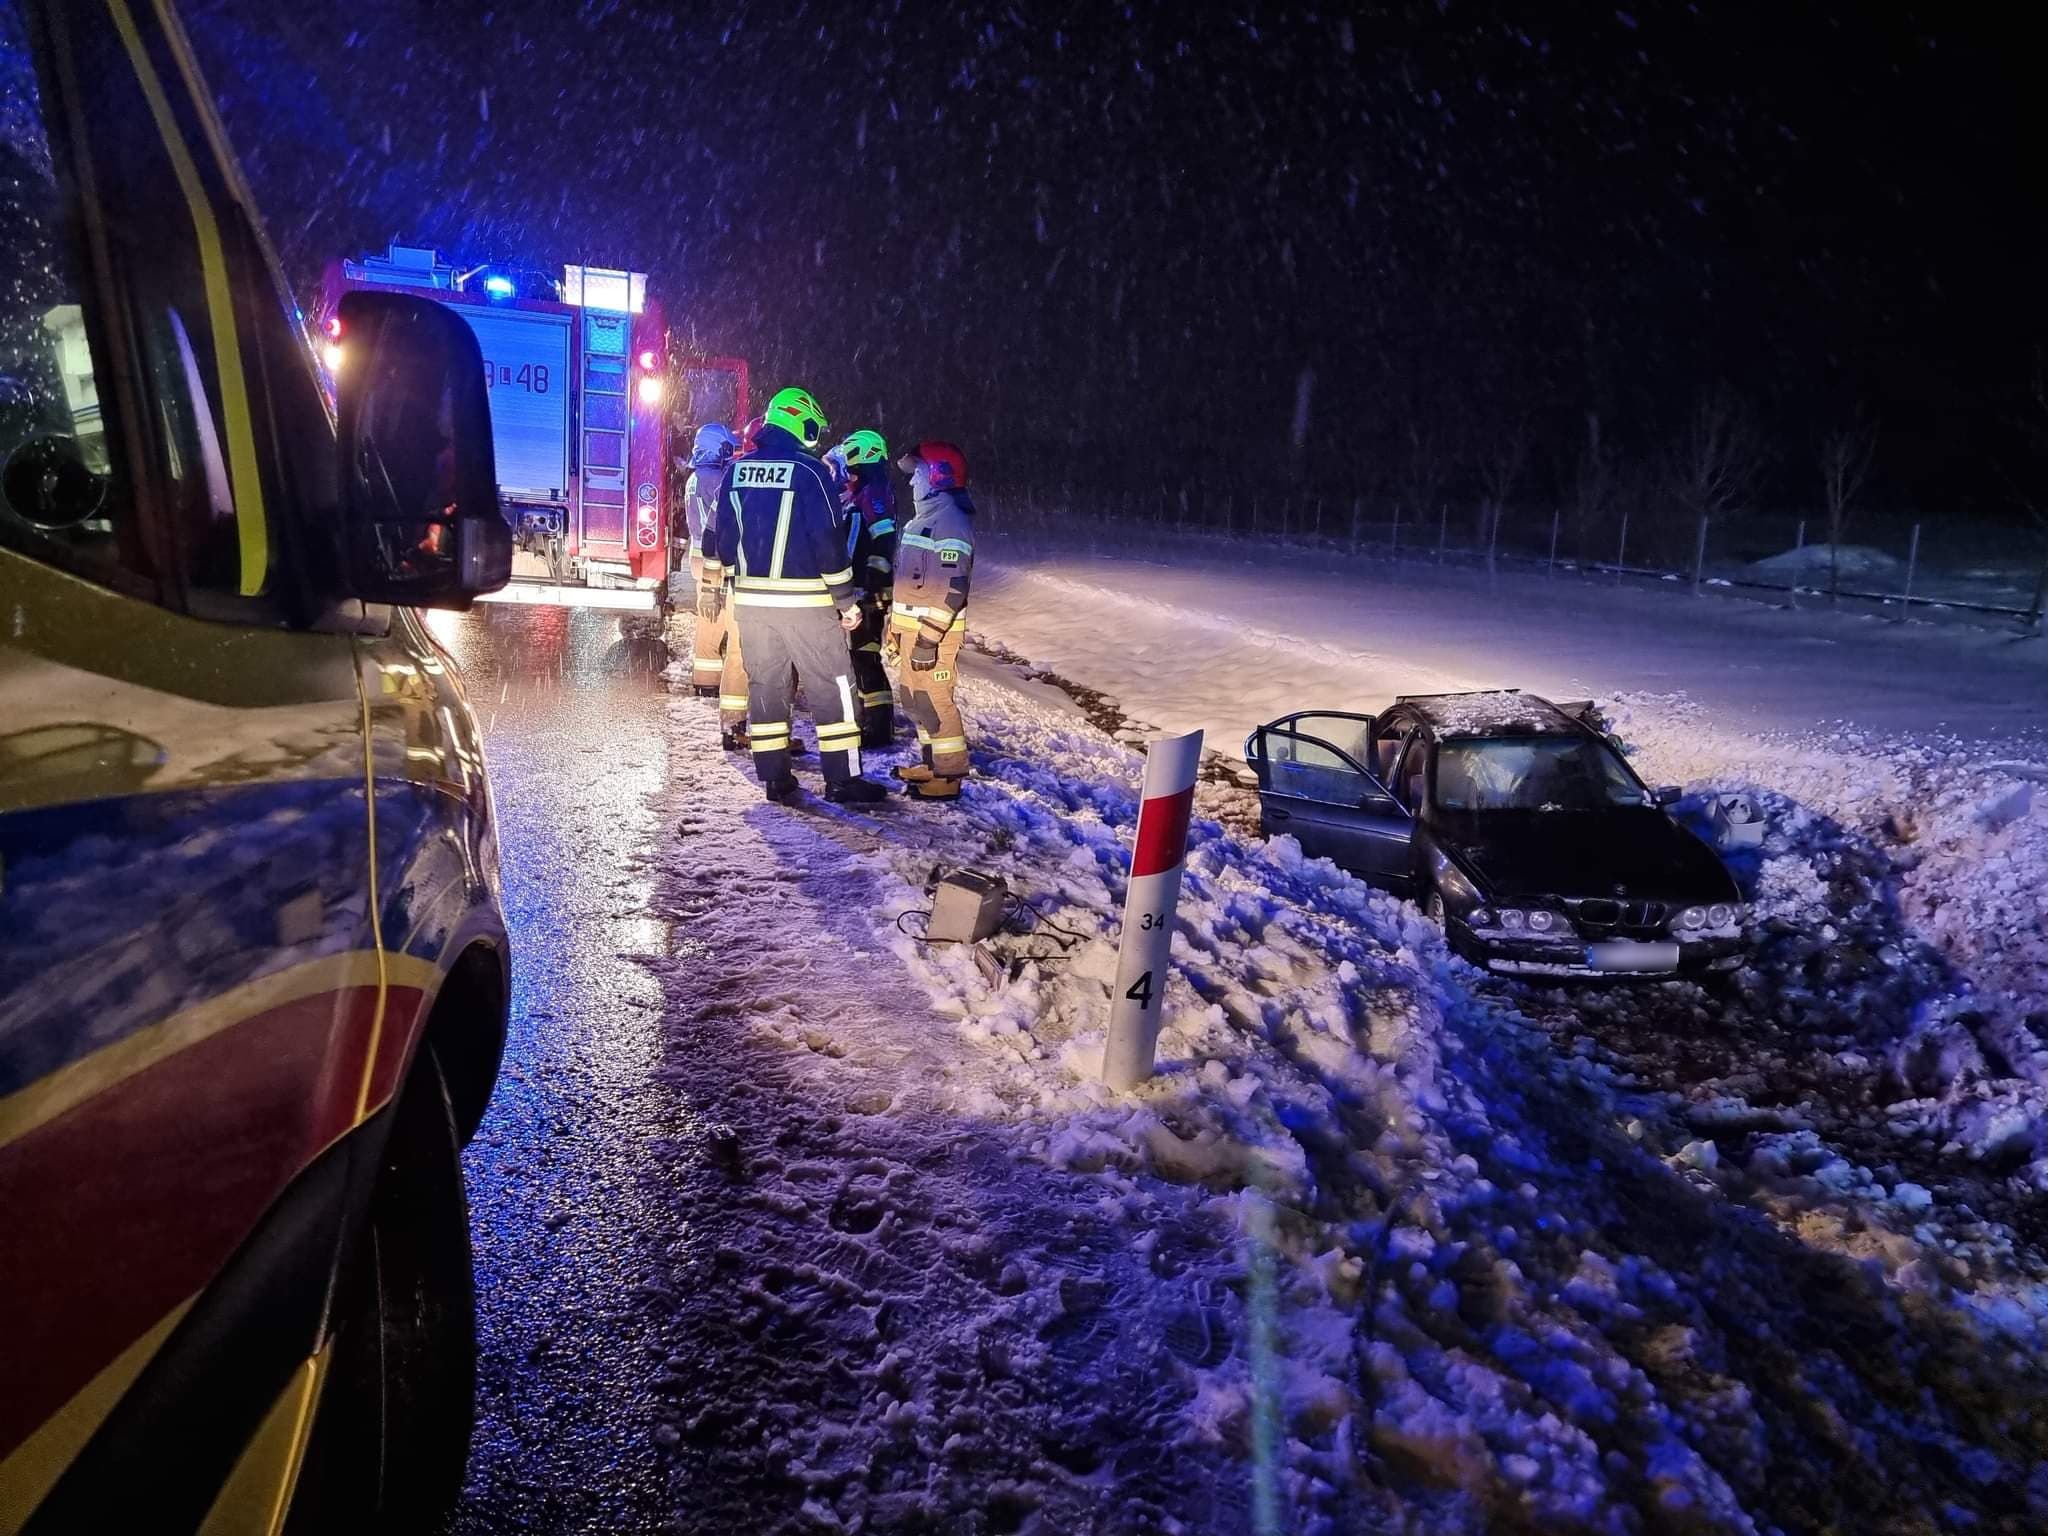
[1479,1281]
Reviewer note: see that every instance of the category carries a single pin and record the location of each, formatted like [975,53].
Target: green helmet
[865,447]
[799,415]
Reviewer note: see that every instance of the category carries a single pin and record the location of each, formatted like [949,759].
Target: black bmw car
[1514,823]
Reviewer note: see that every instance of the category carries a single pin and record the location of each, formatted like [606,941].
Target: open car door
[1314,787]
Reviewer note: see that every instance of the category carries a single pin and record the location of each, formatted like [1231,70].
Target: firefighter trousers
[732,673]
[806,646]
[928,698]
[870,681]
[707,651]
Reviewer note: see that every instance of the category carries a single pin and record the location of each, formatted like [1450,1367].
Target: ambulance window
[177,257]
[60,499]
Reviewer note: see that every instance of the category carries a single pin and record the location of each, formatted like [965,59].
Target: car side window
[1387,750]
[1312,769]
[1340,731]
[1408,776]
[194,505]
[60,499]
[177,267]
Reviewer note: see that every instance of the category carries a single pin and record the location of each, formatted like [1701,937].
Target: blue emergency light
[499,286]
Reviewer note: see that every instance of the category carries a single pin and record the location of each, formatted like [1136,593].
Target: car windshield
[1532,773]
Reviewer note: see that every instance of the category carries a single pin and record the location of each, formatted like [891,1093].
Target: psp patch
[949,557]
[771,476]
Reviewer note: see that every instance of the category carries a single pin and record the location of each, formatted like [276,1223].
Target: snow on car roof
[1496,712]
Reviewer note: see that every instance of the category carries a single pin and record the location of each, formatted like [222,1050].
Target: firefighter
[928,613]
[873,511]
[708,460]
[782,537]
[714,597]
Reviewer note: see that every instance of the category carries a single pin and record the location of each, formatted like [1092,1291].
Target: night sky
[1120,243]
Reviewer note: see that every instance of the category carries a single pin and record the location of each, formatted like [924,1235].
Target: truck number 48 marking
[531,377]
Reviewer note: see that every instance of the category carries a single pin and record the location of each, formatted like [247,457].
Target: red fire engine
[590,412]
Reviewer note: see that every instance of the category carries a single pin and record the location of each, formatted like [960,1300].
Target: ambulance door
[190,990]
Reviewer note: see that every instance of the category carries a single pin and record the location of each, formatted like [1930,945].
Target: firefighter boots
[855,792]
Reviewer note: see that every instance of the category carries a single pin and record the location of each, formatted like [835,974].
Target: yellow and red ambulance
[253,965]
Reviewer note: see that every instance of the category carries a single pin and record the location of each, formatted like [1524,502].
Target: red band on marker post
[1138,1000]
[1162,832]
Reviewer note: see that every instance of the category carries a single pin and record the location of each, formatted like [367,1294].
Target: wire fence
[1954,570]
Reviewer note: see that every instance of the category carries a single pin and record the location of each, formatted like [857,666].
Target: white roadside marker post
[1157,856]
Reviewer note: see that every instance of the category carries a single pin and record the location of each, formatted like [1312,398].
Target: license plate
[1628,955]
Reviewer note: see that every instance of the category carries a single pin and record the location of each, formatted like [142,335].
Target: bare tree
[1715,467]
[1845,456]
[1500,472]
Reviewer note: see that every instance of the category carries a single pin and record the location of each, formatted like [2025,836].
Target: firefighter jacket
[779,532]
[874,533]
[700,494]
[934,564]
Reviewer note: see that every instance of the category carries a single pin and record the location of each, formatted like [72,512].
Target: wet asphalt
[569,1172]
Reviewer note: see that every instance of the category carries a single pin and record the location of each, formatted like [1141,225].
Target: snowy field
[1388,1244]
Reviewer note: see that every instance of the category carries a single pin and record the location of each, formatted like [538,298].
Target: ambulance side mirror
[422,524]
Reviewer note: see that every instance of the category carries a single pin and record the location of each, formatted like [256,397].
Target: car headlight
[1511,918]
[1720,917]
[1542,922]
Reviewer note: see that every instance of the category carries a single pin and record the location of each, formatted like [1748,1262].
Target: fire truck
[591,412]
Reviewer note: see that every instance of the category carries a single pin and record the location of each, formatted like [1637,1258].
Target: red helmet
[754,424]
[945,467]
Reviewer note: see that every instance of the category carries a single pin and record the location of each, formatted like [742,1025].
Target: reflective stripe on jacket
[779,531]
[700,495]
[935,561]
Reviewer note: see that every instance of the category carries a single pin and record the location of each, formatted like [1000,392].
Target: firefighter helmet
[715,443]
[865,447]
[747,433]
[945,467]
[799,415]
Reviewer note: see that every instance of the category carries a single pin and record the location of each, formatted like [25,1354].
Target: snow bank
[1559,1297]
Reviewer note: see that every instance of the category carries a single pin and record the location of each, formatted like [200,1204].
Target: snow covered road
[1208,638]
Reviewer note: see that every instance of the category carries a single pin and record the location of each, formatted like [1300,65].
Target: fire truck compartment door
[526,363]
